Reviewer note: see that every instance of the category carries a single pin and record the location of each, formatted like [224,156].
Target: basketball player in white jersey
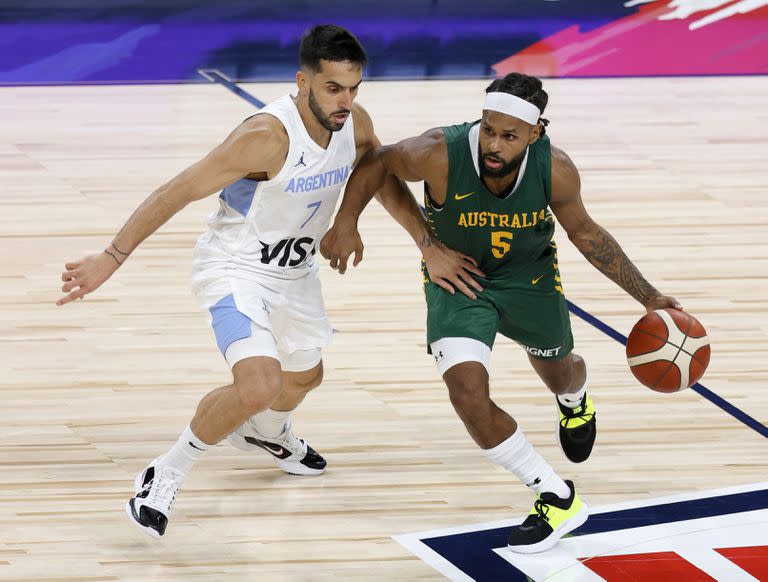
[280,174]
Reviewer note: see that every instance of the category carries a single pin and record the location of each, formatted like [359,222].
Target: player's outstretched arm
[593,241]
[249,149]
[382,170]
[370,177]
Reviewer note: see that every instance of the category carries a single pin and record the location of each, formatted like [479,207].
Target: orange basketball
[668,350]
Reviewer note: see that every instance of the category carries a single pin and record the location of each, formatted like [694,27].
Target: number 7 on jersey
[316,206]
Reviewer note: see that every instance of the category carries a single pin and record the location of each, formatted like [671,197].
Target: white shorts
[449,351]
[270,316]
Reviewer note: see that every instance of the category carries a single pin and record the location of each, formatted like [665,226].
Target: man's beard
[504,170]
[325,120]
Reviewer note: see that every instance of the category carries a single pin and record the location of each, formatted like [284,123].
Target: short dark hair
[523,86]
[330,43]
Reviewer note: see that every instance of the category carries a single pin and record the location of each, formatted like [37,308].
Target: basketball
[668,350]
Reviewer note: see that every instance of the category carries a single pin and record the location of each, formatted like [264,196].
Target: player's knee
[254,398]
[257,389]
[470,399]
[307,381]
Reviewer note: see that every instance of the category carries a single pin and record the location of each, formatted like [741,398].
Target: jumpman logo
[301,161]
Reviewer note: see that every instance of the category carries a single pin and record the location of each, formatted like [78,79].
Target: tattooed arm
[594,242]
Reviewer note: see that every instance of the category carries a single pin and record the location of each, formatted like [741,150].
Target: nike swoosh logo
[462,196]
[194,446]
[272,448]
[536,280]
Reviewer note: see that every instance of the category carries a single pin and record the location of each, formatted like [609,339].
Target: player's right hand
[83,276]
[339,243]
[662,302]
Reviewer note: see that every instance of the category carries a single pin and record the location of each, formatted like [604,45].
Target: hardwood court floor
[675,168]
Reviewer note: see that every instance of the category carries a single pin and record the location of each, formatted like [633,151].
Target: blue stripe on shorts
[229,324]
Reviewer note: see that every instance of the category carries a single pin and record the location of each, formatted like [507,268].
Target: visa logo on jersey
[289,252]
[318,181]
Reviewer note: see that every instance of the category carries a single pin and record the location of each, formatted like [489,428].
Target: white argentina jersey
[274,226]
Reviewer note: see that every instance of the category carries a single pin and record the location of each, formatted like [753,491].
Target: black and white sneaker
[156,488]
[290,453]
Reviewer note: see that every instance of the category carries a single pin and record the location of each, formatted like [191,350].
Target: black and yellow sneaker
[550,519]
[577,429]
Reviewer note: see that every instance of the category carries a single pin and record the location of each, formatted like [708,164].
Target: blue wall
[145,41]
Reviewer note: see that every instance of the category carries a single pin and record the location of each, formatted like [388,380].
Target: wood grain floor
[676,169]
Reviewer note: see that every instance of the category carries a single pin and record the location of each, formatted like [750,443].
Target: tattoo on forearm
[114,257]
[605,253]
[119,252]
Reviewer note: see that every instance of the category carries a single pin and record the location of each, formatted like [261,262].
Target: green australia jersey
[510,237]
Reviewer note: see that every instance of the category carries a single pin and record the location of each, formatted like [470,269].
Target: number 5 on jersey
[499,244]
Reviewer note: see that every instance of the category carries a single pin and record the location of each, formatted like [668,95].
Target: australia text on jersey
[516,220]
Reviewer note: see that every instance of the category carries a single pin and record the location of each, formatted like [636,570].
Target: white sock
[185,452]
[574,399]
[518,456]
[270,423]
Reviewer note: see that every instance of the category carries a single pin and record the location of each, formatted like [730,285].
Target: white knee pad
[449,351]
[301,360]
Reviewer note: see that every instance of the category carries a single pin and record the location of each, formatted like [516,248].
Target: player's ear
[535,134]
[302,81]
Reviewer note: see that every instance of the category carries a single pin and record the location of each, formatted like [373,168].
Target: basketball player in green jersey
[489,188]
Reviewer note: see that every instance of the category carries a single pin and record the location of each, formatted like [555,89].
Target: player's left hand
[339,243]
[452,270]
[662,302]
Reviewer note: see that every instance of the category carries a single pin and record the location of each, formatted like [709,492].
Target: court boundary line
[414,542]
[216,76]
[700,389]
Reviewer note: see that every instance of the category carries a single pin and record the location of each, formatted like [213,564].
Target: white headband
[512,105]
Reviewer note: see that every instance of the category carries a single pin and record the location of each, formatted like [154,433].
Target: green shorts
[536,316]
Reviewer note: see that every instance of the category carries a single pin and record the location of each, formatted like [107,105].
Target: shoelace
[163,489]
[293,443]
[583,415]
[542,509]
